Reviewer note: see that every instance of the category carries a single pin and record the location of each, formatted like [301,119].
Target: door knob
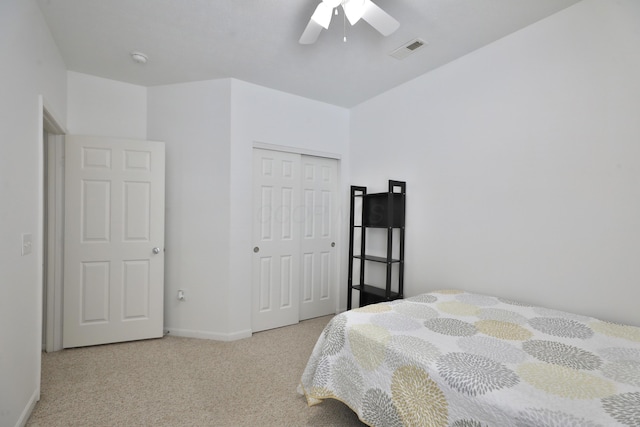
[256,249]
[156,250]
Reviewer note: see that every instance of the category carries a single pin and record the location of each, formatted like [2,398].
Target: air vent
[408,48]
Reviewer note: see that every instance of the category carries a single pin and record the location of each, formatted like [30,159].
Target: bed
[459,359]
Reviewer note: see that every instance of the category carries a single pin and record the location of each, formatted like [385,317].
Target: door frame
[51,167]
[297,150]
[339,235]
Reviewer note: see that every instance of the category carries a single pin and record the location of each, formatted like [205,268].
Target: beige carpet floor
[176,381]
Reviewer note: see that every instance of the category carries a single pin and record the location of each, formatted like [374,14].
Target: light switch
[26,244]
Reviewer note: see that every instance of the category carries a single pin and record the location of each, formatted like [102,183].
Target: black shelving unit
[377,212]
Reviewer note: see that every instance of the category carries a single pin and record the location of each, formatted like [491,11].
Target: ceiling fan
[354,10]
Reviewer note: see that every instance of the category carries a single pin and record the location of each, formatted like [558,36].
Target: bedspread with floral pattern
[453,358]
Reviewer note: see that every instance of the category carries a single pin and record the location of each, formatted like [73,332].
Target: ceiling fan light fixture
[322,15]
[354,9]
[332,3]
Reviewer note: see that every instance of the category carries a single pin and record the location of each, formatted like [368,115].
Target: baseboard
[24,417]
[215,336]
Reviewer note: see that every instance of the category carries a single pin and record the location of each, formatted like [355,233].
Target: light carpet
[176,381]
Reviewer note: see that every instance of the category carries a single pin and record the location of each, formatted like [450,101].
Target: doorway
[139,306]
[52,229]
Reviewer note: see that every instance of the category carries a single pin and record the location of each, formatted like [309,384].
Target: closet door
[319,260]
[294,230]
[276,236]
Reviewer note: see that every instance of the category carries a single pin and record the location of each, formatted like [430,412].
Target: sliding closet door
[294,217]
[276,232]
[319,260]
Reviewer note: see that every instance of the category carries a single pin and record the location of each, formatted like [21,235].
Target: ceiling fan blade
[322,15]
[379,19]
[320,19]
[311,33]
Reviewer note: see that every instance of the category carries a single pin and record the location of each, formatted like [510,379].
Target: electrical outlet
[26,244]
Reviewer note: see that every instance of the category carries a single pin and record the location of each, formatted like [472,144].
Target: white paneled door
[319,273]
[114,240]
[276,229]
[294,228]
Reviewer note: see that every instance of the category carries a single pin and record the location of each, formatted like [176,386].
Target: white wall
[523,164]
[31,66]
[193,119]
[103,107]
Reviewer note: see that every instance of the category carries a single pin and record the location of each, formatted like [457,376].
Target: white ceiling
[257,41]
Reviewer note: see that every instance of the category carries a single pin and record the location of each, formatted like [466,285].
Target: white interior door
[294,262]
[276,261]
[319,259]
[114,240]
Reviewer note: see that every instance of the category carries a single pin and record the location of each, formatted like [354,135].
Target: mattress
[454,358]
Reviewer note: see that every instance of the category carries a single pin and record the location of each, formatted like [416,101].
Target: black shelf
[372,294]
[376,258]
[378,211]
